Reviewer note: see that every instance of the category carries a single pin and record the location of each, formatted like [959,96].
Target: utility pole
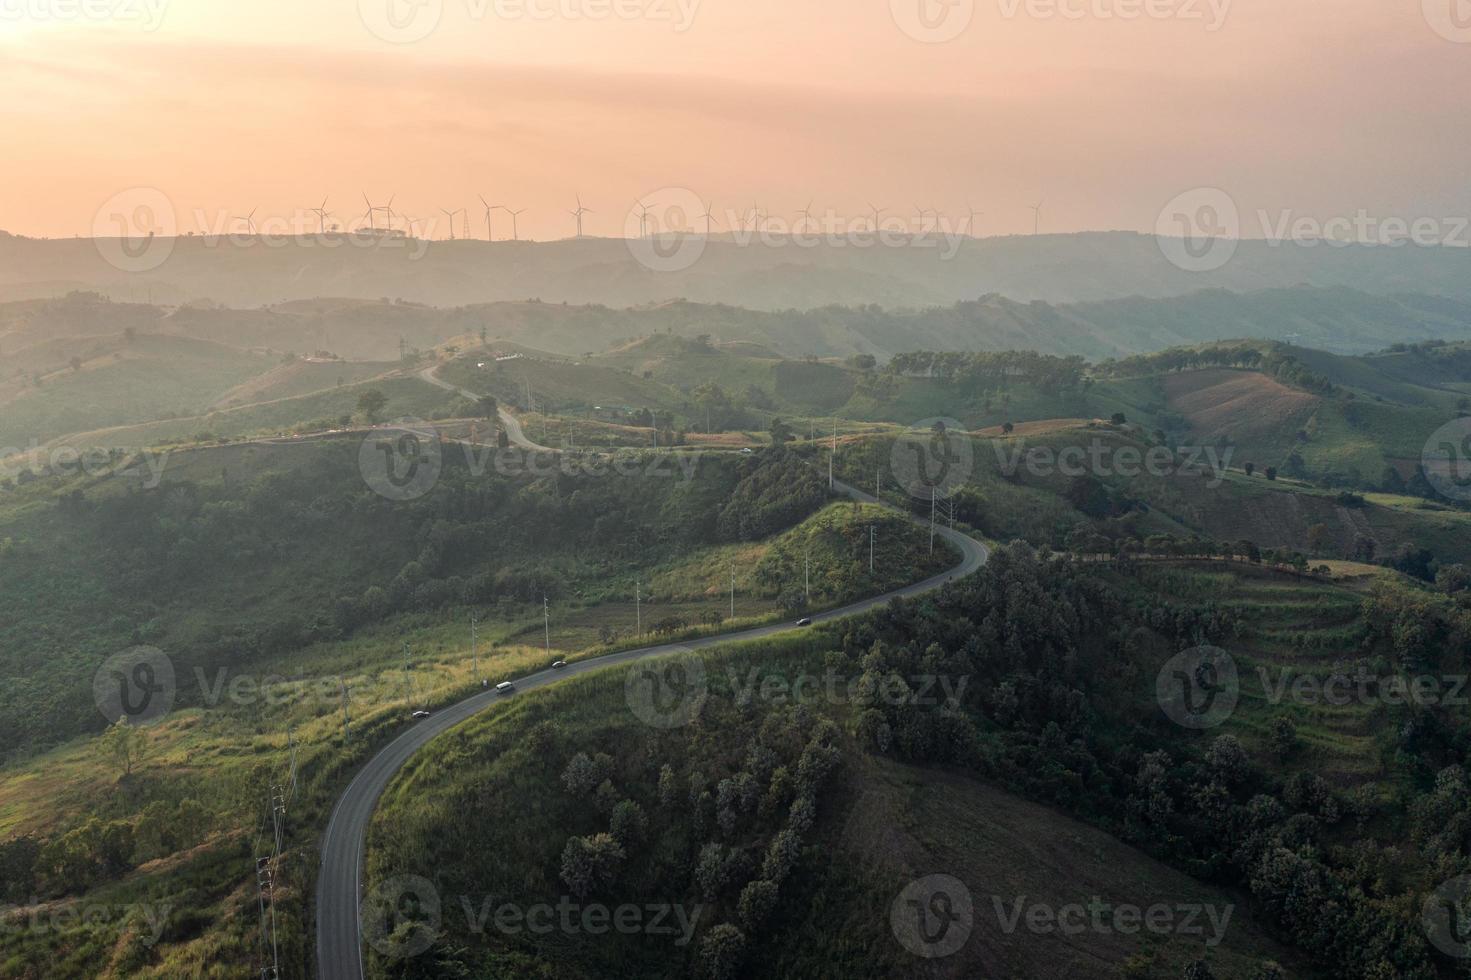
[807,576]
[878,477]
[932,520]
[408,680]
[638,610]
[830,457]
[732,591]
[872,530]
[546,616]
[474,659]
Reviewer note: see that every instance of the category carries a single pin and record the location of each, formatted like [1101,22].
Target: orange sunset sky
[1323,107]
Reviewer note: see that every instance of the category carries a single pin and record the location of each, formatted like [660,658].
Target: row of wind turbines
[755,219]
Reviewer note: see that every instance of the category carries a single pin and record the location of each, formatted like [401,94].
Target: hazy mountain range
[774,273]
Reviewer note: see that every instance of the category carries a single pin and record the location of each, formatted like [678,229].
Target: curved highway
[511,423]
[339,881]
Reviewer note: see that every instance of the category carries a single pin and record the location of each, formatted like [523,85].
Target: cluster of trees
[987,371]
[1050,713]
[97,851]
[1274,361]
[743,819]
[1122,549]
[775,491]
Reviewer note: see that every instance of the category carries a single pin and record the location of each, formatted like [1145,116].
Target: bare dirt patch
[1245,406]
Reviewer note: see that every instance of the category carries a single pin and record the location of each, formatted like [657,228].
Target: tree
[781,432]
[628,823]
[1271,472]
[1282,737]
[487,407]
[123,744]
[1451,579]
[591,863]
[758,901]
[583,773]
[371,404]
[502,440]
[1228,758]
[1007,428]
[712,870]
[1118,418]
[1250,468]
[668,786]
[721,952]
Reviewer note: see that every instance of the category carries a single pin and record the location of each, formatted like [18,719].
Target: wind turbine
[806,214]
[921,212]
[577,215]
[451,216]
[515,235]
[643,220]
[970,223]
[876,213]
[1037,218]
[373,210]
[488,208]
[755,216]
[708,219]
[322,215]
[249,220]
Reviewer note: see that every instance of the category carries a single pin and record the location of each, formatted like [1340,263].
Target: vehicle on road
[559,665]
[420,715]
[504,687]
[804,621]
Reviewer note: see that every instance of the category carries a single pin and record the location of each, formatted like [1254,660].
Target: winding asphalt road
[511,423]
[339,881]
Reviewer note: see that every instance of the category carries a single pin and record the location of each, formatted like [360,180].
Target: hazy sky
[1105,109]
